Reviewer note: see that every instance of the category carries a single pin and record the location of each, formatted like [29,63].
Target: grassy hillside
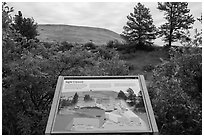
[139,61]
[77,34]
[142,62]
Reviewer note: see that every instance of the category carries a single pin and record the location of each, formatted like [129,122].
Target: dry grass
[140,59]
[99,36]
[77,34]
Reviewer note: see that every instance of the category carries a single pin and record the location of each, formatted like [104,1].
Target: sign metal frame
[147,103]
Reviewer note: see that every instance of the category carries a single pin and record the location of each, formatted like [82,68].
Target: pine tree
[140,29]
[25,26]
[131,96]
[87,98]
[75,98]
[178,20]
[121,95]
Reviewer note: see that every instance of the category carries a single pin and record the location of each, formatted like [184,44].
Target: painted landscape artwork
[101,105]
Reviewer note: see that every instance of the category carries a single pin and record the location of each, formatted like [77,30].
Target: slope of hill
[79,34]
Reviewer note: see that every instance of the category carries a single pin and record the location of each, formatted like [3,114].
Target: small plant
[87,98]
[148,68]
[90,46]
[65,45]
[131,66]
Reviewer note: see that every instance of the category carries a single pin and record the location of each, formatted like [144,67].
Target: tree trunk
[170,36]
[171,28]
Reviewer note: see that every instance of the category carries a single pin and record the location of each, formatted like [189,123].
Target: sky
[109,15]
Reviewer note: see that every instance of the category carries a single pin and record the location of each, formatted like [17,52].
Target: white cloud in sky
[110,15]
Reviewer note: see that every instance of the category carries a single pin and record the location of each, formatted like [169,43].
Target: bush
[65,45]
[114,44]
[176,94]
[126,56]
[133,47]
[90,46]
[148,68]
[110,44]
[29,75]
[131,66]
[105,53]
[87,98]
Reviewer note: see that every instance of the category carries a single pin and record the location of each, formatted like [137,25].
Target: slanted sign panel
[100,105]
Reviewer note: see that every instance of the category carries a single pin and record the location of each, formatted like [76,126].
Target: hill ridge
[77,26]
[78,34]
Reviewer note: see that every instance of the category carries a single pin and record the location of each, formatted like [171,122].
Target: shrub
[35,73]
[176,94]
[87,98]
[114,44]
[90,46]
[144,47]
[131,66]
[110,67]
[110,44]
[105,52]
[29,76]
[148,68]
[133,47]
[65,45]
[126,56]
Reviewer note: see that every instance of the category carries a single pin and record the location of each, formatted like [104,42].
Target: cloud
[110,15]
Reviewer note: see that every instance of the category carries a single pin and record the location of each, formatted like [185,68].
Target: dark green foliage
[127,56]
[64,46]
[75,98]
[178,20]
[105,52]
[25,26]
[148,68]
[196,41]
[136,46]
[176,93]
[111,44]
[30,70]
[139,105]
[6,17]
[65,103]
[131,97]
[90,46]
[115,44]
[29,76]
[87,98]
[121,95]
[130,47]
[140,30]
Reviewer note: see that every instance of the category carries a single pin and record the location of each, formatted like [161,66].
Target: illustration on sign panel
[101,105]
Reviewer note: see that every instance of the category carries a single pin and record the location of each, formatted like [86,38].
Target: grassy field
[141,60]
[77,34]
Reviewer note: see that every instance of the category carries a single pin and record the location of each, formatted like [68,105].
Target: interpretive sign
[101,105]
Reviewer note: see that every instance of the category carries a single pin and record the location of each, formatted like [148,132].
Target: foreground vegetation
[176,92]
[30,69]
